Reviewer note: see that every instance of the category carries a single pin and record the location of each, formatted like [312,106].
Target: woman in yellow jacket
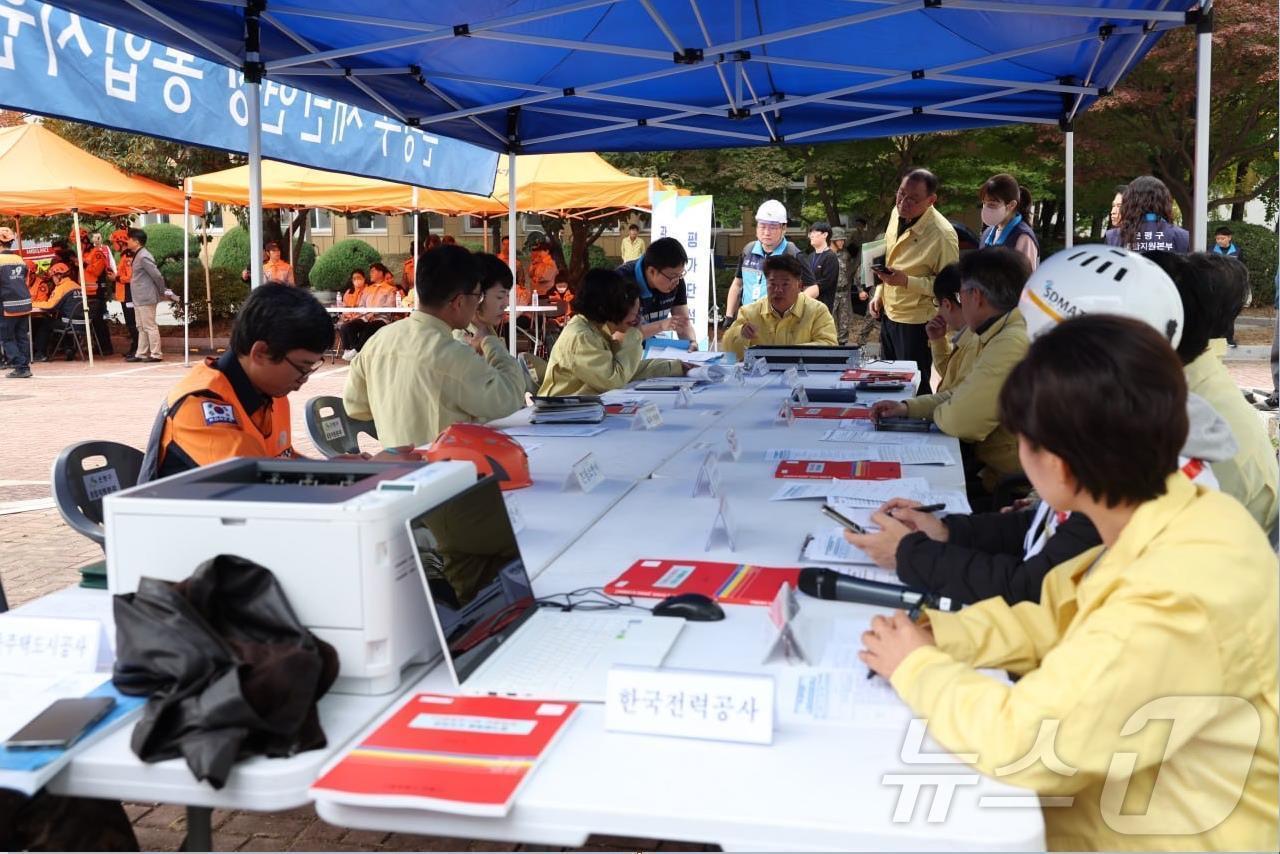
[1147,703]
[601,348]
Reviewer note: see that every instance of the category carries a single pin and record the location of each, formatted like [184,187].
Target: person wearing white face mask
[1006,213]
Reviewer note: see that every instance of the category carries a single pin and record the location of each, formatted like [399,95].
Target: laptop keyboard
[556,655]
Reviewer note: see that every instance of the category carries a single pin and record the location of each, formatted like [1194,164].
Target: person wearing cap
[124,289]
[664,303]
[632,244]
[749,283]
[843,310]
[785,315]
[15,305]
[46,308]
[823,264]
[919,242]
[97,275]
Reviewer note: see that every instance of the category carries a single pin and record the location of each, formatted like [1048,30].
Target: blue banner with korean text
[58,64]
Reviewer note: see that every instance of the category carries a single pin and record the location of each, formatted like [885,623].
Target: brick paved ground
[68,402]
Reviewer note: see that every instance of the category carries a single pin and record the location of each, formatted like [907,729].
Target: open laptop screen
[474,575]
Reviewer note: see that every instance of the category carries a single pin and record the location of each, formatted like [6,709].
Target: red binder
[857,374]
[862,412]
[732,584]
[840,469]
[466,755]
[628,408]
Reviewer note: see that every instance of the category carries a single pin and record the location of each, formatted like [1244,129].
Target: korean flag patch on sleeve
[219,413]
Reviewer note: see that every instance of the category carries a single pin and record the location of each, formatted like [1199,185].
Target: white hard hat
[1095,279]
[772,211]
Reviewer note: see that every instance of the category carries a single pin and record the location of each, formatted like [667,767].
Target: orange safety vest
[124,273]
[95,267]
[204,421]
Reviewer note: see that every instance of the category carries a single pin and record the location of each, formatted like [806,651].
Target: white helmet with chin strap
[1094,279]
[772,211]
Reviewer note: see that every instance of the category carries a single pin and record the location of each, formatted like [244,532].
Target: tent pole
[1069,202]
[511,255]
[414,283]
[208,286]
[84,291]
[186,279]
[1204,63]
[255,185]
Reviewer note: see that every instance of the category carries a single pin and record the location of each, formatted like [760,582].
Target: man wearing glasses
[414,379]
[919,242]
[237,404]
[664,302]
[749,282]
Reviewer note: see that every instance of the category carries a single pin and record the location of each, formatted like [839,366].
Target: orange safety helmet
[120,237]
[78,234]
[60,268]
[492,451]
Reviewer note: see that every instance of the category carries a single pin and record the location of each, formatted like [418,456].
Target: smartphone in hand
[843,519]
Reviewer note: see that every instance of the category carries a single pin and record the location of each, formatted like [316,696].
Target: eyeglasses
[304,371]
[673,277]
[474,294]
[911,200]
[960,294]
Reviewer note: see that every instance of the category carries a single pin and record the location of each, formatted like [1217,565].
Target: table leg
[199,829]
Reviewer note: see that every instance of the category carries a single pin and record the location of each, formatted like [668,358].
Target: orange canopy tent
[572,185]
[45,174]
[285,185]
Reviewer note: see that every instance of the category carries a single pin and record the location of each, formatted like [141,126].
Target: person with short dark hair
[236,404]
[1250,475]
[824,266]
[664,301]
[748,283]
[146,286]
[632,246]
[1224,246]
[919,241]
[601,348]
[952,356]
[784,315]
[1172,617]
[413,379]
[991,283]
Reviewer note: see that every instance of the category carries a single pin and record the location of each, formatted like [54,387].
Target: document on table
[860,425]
[918,455]
[809,695]
[873,438]
[954,502]
[559,431]
[830,546]
[870,493]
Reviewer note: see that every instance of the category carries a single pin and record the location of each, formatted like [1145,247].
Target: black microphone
[829,584]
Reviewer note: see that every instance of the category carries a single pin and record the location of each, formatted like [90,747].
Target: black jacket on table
[983,557]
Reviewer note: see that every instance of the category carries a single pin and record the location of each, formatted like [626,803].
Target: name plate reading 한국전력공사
[690,704]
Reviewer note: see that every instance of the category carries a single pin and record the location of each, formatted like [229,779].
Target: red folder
[840,469]
[466,755]
[733,584]
[831,412]
[857,374]
[628,408]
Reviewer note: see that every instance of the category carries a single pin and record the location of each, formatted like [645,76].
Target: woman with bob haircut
[601,347]
[1147,692]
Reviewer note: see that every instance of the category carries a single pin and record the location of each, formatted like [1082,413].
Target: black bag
[229,669]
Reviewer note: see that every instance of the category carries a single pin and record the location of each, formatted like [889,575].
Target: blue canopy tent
[537,76]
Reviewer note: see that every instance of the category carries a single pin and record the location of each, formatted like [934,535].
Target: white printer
[332,532]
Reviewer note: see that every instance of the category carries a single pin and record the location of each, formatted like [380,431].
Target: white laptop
[496,640]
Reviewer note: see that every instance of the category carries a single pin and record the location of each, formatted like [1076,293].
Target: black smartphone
[843,519]
[61,723]
[880,385]
[904,425]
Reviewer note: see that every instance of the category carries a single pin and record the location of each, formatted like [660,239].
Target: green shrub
[303,265]
[1258,246]
[228,291]
[164,241]
[233,250]
[472,246]
[331,271]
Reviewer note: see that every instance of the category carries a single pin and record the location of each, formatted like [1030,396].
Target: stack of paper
[567,410]
[905,454]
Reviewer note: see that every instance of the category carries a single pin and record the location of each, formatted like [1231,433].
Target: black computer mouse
[691,606]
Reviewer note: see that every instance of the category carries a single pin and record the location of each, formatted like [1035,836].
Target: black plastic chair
[333,431]
[70,320]
[78,491]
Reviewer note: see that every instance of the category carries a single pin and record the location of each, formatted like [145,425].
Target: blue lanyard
[1004,235]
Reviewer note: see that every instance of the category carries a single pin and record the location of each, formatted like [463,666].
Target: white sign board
[688,219]
[690,704]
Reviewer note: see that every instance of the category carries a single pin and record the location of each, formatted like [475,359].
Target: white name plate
[585,475]
[690,704]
